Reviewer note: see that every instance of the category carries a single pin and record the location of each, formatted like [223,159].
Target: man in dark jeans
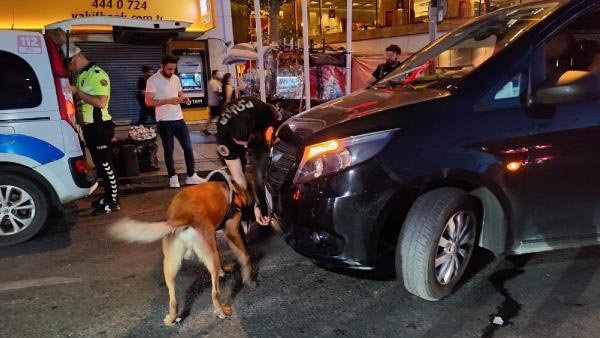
[145,111]
[164,92]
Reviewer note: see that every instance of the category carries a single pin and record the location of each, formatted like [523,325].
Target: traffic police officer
[93,93]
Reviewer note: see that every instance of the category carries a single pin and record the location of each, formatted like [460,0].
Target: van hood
[357,107]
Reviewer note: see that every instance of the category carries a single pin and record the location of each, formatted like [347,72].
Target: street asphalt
[73,281]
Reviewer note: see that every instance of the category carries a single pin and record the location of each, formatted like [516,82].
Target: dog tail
[130,230]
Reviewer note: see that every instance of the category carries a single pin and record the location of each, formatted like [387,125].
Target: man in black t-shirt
[391,54]
[247,124]
[145,111]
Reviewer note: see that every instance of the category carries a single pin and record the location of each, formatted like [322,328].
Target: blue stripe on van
[34,148]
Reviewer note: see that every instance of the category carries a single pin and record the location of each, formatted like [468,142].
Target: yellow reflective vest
[93,80]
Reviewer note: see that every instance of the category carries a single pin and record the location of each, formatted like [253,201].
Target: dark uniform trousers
[98,137]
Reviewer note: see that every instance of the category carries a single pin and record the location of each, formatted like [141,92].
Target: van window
[574,47]
[453,57]
[19,87]
[511,89]
[507,93]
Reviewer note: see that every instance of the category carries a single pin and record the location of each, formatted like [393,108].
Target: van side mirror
[572,86]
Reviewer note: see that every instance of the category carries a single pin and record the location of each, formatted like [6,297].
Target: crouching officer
[92,91]
[246,124]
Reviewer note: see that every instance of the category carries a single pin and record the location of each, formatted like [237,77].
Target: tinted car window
[506,94]
[457,54]
[19,87]
[576,47]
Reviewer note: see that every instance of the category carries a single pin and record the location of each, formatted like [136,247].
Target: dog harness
[234,200]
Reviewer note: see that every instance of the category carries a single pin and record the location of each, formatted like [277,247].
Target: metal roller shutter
[123,63]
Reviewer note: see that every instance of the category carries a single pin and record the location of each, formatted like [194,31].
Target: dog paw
[227,268]
[225,311]
[170,320]
[250,283]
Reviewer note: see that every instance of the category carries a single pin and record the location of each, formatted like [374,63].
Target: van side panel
[65,187]
[42,140]
[37,138]
[70,139]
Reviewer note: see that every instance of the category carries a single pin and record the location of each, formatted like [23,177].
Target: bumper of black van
[336,219]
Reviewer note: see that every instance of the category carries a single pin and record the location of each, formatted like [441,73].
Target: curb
[160,178]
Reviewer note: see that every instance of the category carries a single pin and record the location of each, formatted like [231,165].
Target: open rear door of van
[125,30]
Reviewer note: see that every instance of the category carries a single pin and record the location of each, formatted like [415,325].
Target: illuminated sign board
[35,14]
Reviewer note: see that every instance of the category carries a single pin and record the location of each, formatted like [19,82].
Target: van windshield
[449,60]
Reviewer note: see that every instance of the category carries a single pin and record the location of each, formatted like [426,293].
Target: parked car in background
[487,137]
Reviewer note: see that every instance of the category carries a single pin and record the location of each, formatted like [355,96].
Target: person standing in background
[227,89]
[164,92]
[145,111]
[92,91]
[214,99]
[392,52]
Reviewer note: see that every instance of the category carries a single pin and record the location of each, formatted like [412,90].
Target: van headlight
[335,155]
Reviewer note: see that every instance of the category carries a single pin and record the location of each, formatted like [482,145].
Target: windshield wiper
[404,83]
[409,75]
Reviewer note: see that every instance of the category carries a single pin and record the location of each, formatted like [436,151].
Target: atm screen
[190,68]
[191,82]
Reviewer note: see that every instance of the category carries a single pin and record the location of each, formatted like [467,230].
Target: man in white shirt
[164,92]
[214,98]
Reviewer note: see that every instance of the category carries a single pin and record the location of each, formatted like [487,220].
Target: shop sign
[29,14]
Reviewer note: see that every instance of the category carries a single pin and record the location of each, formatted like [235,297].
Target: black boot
[106,209]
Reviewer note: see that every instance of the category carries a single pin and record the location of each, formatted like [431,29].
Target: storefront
[329,16]
[122,52]
[377,23]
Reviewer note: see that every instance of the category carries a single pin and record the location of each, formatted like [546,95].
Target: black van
[488,137]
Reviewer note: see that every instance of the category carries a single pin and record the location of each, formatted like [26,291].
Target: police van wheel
[23,209]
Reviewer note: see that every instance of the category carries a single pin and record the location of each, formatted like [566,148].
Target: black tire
[420,242]
[33,214]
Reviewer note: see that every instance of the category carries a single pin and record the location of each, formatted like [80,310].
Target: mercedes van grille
[284,157]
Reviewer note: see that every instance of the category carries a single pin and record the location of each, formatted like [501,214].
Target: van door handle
[6,135]
[7,130]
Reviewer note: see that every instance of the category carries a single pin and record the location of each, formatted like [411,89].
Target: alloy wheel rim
[17,210]
[454,247]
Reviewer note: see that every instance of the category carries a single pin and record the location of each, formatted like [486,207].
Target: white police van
[41,161]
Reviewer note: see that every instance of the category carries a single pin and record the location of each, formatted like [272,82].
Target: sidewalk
[205,156]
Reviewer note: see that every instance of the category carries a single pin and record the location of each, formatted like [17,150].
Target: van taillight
[66,105]
[66,96]
[79,165]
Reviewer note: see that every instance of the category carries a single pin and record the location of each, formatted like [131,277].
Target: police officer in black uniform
[246,124]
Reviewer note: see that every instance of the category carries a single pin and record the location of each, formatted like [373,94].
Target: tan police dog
[194,216]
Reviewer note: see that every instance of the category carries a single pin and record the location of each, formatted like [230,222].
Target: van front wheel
[23,209]
[436,242]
